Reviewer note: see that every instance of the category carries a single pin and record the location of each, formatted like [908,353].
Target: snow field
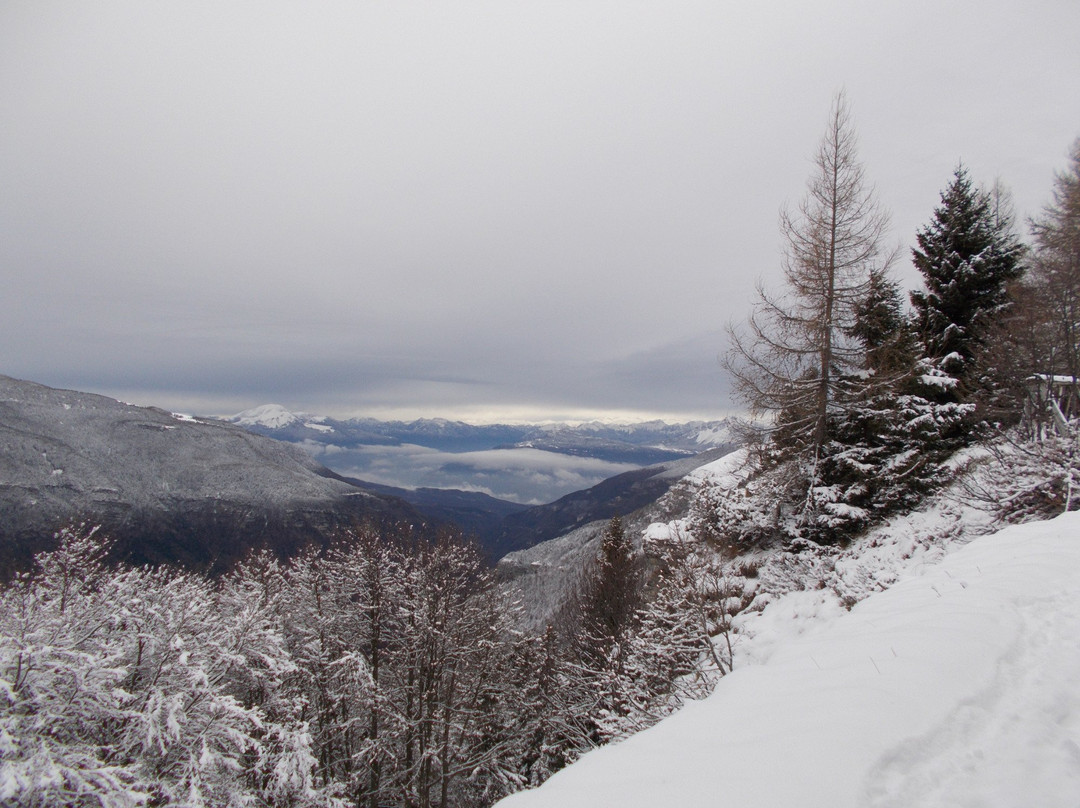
[955,687]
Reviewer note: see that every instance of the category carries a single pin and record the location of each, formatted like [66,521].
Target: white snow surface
[956,686]
[727,472]
[715,436]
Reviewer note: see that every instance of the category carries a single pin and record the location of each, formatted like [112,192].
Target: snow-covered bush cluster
[1018,479]
[137,686]
[375,674]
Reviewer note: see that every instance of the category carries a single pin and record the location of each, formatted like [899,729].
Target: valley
[530,464]
[203,492]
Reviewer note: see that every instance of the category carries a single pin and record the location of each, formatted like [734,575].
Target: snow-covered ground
[959,685]
[726,472]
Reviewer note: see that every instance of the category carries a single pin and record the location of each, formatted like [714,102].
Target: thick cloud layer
[529,476]
[475,207]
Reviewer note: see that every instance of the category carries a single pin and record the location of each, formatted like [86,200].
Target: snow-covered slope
[165,488]
[956,686]
[542,574]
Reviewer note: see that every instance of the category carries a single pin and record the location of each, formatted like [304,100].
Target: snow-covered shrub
[62,685]
[404,665]
[1024,480]
[885,457]
[736,519]
[128,686]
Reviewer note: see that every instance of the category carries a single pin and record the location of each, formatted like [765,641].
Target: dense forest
[390,670]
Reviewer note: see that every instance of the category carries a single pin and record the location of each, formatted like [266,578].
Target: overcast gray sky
[479,209]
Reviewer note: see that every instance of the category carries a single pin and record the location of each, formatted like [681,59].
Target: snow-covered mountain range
[200,492]
[524,463]
[591,438]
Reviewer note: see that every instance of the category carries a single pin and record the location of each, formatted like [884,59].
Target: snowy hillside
[542,575]
[166,488]
[955,686]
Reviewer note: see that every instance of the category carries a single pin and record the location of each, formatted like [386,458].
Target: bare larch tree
[797,345]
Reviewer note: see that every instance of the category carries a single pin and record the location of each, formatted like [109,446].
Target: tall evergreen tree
[611,595]
[967,255]
[888,439]
[608,606]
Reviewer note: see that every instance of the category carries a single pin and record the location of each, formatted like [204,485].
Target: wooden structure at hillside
[1054,399]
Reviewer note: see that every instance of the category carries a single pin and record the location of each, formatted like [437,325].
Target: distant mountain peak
[271,416]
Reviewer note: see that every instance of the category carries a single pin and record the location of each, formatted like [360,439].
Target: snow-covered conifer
[967,256]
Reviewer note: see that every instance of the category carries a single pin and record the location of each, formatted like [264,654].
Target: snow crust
[956,686]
